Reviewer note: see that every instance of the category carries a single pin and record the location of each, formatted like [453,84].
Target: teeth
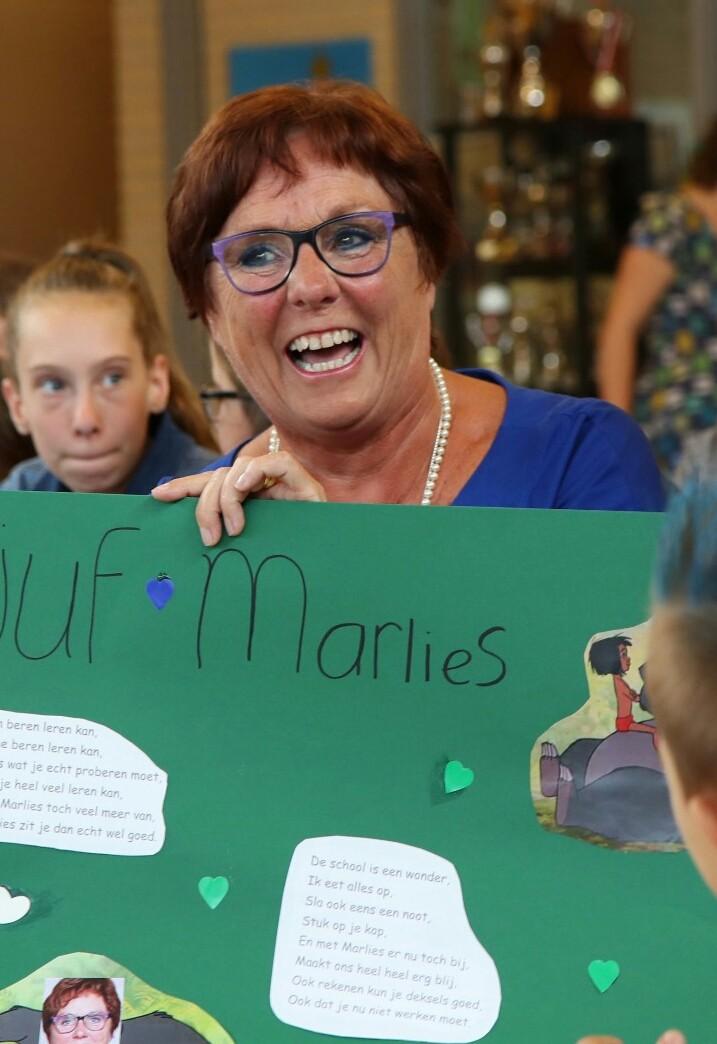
[325,340]
[334,364]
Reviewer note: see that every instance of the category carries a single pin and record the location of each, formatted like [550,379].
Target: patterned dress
[676,390]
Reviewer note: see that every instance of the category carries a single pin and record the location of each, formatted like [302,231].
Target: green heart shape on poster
[213,890]
[457,777]
[603,973]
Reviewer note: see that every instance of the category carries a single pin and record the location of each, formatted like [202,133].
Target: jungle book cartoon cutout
[597,775]
[147,1015]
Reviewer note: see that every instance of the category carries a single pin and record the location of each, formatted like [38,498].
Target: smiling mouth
[329,350]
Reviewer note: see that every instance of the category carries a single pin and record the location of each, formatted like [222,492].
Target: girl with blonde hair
[92,379]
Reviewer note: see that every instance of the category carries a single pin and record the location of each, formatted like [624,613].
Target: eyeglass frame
[213,394]
[392,219]
[212,399]
[81,1018]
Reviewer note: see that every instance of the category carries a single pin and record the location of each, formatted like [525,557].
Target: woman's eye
[351,238]
[260,255]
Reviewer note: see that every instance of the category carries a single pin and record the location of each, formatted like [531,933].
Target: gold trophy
[535,95]
[605,30]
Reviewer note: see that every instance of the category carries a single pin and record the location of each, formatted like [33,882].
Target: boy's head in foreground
[682,668]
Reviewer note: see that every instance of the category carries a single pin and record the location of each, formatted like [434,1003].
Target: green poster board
[182,729]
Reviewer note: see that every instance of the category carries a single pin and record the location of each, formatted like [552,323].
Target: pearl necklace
[439,444]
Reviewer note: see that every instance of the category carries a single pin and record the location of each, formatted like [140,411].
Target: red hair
[67,989]
[348,125]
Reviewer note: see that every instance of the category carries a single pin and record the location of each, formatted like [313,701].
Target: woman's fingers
[599,1040]
[210,512]
[177,489]
[275,476]
[207,487]
[278,476]
[222,492]
[671,1036]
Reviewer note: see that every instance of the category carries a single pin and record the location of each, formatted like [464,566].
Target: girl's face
[83,390]
[62,1031]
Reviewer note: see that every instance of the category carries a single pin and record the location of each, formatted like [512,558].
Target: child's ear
[158,389]
[13,399]
[703,807]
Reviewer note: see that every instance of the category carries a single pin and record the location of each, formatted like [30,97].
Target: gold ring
[268,482]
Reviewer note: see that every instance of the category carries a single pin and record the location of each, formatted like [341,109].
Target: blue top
[556,451]
[170,451]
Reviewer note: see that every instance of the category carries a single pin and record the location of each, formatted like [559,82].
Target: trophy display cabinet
[545,206]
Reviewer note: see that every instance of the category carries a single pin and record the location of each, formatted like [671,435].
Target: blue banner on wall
[260,66]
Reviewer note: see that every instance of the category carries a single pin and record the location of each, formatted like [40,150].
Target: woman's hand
[668,1037]
[221,493]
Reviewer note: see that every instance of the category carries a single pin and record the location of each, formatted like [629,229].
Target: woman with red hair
[308,227]
[87,1009]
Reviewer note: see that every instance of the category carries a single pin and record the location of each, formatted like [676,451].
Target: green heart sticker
[603,973]
[457,777]
[213,890]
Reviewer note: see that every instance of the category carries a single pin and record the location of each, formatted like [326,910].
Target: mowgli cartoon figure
[612,656]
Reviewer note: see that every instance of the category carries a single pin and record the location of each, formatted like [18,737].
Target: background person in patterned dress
[666,290]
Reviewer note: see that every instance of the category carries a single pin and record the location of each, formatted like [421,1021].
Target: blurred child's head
[682,668]
[232,413]
[89,366]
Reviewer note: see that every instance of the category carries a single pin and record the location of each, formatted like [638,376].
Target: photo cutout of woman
[86,1010]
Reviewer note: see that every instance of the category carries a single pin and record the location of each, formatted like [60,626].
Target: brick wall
[140,138]
[57,176]
[140,102]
